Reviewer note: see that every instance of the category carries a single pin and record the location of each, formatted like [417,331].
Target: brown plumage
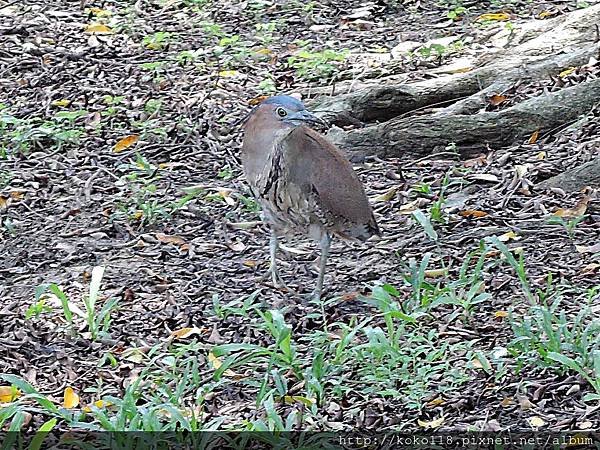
[304,184]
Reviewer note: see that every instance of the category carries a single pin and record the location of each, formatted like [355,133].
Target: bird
[304,184]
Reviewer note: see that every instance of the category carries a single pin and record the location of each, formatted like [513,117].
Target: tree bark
[575,179]
[543,48]
[420,135]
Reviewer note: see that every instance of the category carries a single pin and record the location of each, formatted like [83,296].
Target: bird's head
[284,111]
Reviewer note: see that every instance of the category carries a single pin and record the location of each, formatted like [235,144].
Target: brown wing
[320,169]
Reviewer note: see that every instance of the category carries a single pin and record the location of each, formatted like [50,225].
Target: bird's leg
[324,244]
[273,247]
[273,270]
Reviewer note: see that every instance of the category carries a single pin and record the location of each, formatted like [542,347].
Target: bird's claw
[276,279]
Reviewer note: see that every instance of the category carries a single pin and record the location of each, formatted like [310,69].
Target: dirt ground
[172,221]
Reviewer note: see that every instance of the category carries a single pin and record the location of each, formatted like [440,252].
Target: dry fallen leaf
[228,73]
[226,195]
[434,273]
[215,362]
[546,13]
[579,209]
[436,402]
[98,404]
[494,16]
[98,12]
[256,100]
[61,103]
[291,399]
[475,213]
[170,239]
[590,268]
[540,156]
[500,314]
[183,333]
[524,402]
[508,236]
[567,72]
[497,99]
[474,162]
[9,394]
[534,137]
[71,399]
[432,424]
[387,196]
[536,422]
[97,28]
[237,246]
[408,208]
[585,249]
[125,143]
[506,402]
[485,177]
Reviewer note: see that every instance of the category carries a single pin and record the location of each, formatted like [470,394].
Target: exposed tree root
[575,179]
[538,49]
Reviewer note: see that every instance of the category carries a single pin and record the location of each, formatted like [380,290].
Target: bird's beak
[305,116]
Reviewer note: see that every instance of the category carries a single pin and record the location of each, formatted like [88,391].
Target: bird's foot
[276,279]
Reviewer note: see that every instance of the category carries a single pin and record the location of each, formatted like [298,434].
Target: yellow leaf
[434,273]
[476,363]
[508,236]
[137,215]
[99,12]
[9,394]
[506,402]
[263,51]
[408,208]
[215,362]
[501,314]
[183,333]
[545,14]
[255,101]
[71,399]
[433,424]
[291,399]
[567,72]
[536,422]
[534,137]
[472,213]
[227,197]
[125,143]
[228,73]
[387,196]
[97,28]
[61,103]
[98,404]
[541,156]
[494,16]
[436,402]
[250,263]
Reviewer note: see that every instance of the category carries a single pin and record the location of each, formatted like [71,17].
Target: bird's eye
[281,112]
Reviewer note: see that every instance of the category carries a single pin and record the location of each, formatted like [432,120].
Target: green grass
[393,350]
